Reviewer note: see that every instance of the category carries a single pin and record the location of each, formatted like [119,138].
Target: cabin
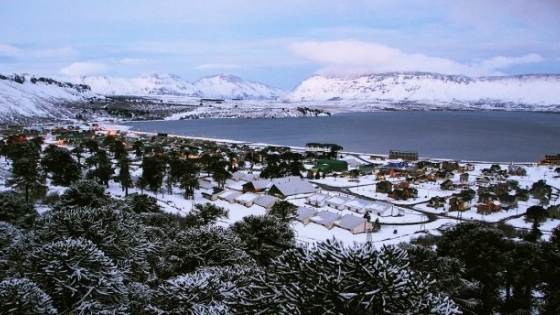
[325,218]
[318,199]
[266,201]
[436,202]
[291,188]
[357,205]
[257,186]
[305,214]
[247,199]
[337,202]
[384,187]
[354,224]
[460,202]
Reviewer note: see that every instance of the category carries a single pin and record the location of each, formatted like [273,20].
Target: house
[404,193]
[325,218]
[551,159]
[266,202]
[357,205]
[464,178]
[382,209]
[460,202]
[229,195]
[318,199]
[508,201]
[405,155]
[337,202]
[239,175]
[247,199]
[305,214]
[212,194]
[291,188]
[354,224]
[329,165]
[257,186]
[489,207]
[436,202]
[447,185]
[384,187]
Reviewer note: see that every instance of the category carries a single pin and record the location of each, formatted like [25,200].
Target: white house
[266,202]
[325,218]
[337,202]
[382,209]
[317,199]
[229,195]
[357,205]
[291,188]
[247,199]
[354,224]
[305,214]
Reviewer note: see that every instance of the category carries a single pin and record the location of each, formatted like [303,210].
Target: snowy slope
[220,86]
[19,101]
[155,84]
[228,86]
[430,87]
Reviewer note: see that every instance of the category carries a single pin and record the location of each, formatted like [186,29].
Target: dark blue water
[468,135]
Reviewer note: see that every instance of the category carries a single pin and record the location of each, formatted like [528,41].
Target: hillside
[431,88]
[25,98]
[219,86]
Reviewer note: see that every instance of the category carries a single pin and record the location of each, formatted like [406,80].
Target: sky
[281,42]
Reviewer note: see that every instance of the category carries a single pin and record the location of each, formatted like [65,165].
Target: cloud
[84,68]
[358,57]
[214,66]
[9,50]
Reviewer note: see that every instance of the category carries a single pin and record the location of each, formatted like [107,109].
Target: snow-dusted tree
[205,291]
[484,250]
[139,296]
[264,237]
[15,210]
[331,278]
[59,163]
[125,179]
[205,214]
[9,235]
[102,168]
[115,231]
[23,296]
[78,277]
[204,246]
[284,210]
[153,172]
[141,203]
[85,193]
[28,178]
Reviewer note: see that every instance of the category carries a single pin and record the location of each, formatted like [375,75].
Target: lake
[496,136]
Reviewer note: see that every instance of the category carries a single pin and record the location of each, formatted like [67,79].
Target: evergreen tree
[22,296]
[85,193]
[153,172]
[60,164]
[125,179]
[78,277]
[142,203]
[330,278]
[284,210]
[264,237]
[102,167]
[115,231]
[15,210]
[205,214]
[26,174]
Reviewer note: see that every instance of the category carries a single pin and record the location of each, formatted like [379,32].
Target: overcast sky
[279,42]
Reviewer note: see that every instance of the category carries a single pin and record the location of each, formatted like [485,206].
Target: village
[354,197]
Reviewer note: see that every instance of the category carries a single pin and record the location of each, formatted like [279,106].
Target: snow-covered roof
[230,194]
[350,221]
[305,213]
[337,200]
[295,187]
[248,196]
[358,203]
[318,198]
[266,200]
[325,217]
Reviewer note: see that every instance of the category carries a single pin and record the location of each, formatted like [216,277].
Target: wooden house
[384,187]
[436,202]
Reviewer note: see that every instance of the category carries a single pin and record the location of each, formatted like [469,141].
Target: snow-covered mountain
[430,88]
[155,84]
[220,86]
[228,86]
[24,98]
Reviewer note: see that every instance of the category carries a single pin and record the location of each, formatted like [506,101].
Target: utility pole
[368,229]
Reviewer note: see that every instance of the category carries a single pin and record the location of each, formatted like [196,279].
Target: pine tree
[84,193]
[60,164]
[78,277]
[23,296]
[125,179]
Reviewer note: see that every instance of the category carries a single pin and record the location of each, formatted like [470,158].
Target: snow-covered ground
[408,219]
